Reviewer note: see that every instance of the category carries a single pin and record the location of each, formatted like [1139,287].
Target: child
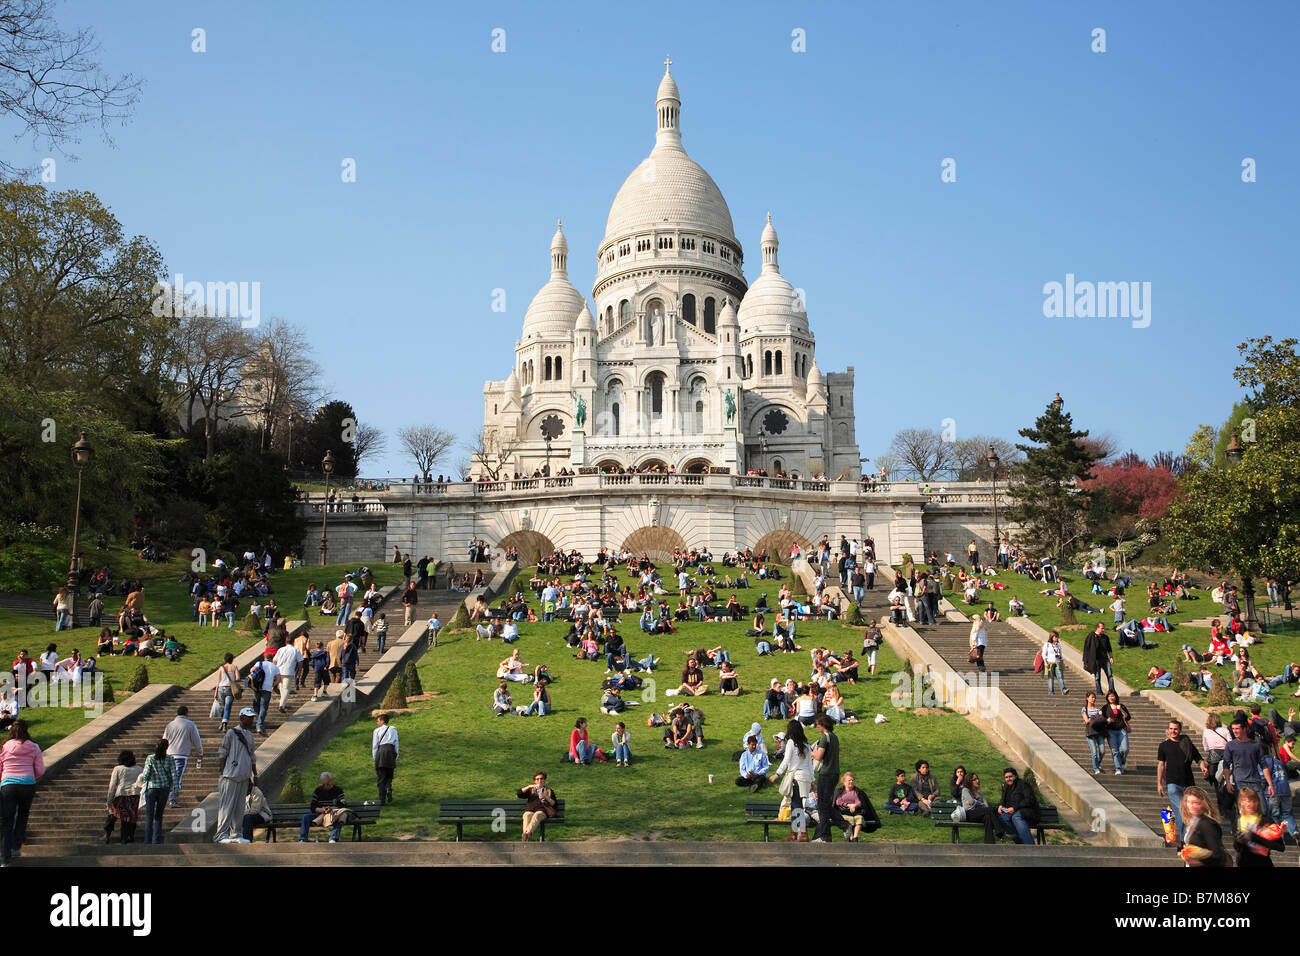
[435,626]
[902,798]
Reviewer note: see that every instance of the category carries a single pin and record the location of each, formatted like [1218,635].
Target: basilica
[683,366]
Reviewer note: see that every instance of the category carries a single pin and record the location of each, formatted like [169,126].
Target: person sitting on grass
[846,668]
[612,702]
[754,765]
[902,798]
[501,702]
[1217,653]
[774,702]
[833,706]
[783,631]
[1016,607]
[514,669]
[991,613]
[541,705]
[728,682]
[681,731]
[692,681]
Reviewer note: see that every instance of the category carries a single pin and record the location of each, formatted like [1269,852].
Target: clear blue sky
[1115,166]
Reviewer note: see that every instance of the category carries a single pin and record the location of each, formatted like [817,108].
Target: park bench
[289,815]
[1049,818]
[766,815]
[462,812]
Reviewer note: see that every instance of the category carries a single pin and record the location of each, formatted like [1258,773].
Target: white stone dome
[668,188]
[554,310]
[771,303]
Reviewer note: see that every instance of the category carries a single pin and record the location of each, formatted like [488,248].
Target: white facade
[683,365]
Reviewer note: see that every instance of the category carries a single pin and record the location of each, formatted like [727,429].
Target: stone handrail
[966,494]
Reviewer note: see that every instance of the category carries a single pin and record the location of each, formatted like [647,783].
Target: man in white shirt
[182,737]
[383,750]
[287,660]
[511,633]
[264,677]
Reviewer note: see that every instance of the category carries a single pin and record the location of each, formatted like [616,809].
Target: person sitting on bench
[327,802]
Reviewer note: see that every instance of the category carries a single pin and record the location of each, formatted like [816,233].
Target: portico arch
[779,543]
[529,544]
[656,541]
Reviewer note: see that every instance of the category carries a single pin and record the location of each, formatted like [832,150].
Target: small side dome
[551,313]
[585,321]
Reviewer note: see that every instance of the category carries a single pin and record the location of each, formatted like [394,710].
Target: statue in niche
[657,327]
[729,397]
[579,408]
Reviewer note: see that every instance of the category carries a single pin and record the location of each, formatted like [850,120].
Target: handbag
[786,786]
[974,656]
[1039,663]
[959,814]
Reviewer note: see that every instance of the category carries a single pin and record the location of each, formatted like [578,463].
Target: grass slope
[453,746]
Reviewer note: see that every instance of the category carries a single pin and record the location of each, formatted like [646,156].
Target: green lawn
[453,746]
[169,606]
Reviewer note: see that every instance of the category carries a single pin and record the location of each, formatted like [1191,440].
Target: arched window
[609,319]
[767,363]
[710,325]
[699,418]
[656,383]
[624,312]
[688,308]
[613,401]
[559,369]
[696,400]
[749,366]
[546,373]
[776,466]
[614,410]
[778,361]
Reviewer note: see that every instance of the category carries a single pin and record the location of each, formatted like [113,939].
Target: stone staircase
[1010,655]
[42,608]
[69,806]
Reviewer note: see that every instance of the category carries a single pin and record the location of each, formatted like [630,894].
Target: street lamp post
[993,460]
[288,452]
[546,472]
[81,454]
[327,465]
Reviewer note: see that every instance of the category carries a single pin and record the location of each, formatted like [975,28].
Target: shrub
[1179,676]
[1219,696]
[855,617]
[1030,778]
[109,692]
[907,558]
[413,686]
[461,620]
[292,792]
[1067,615]
[139,680]
[251,623]
[395,699]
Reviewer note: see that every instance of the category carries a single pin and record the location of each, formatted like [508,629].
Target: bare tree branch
[426,444]
[51,82]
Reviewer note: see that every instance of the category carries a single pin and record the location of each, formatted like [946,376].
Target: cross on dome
[667,63]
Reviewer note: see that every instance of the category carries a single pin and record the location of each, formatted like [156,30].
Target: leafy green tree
[1246,517]
[1200,448]
[1048,500]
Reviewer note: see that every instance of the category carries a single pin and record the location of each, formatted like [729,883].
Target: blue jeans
[537,708]
[859,594]
[722,656]
[764,648]
[1015,823]
[1097,747]
[1110,675]
[586,752]
[621,752]
[227,701]
[1280,807]
[230,620]
[1055,671]
[1175,793]
[262,705]
[155,801]
[771,710]
[307,818]
[1118,740]
[344,611]
[63,621]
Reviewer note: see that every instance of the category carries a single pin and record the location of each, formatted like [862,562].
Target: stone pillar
[578,453]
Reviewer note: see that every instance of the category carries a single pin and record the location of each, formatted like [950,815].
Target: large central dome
[669,189]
